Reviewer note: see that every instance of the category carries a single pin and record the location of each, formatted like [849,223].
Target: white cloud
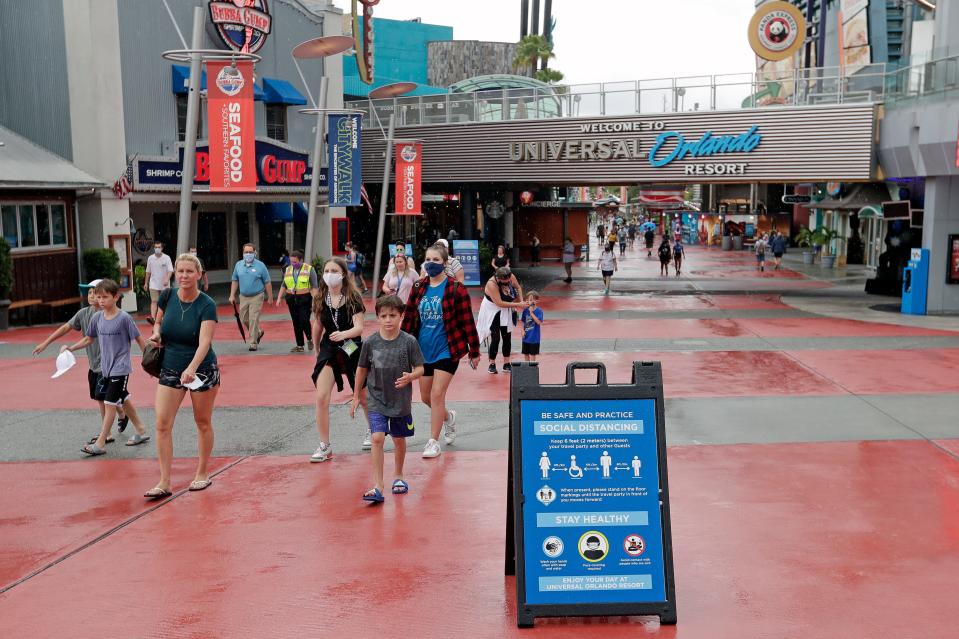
[607,40]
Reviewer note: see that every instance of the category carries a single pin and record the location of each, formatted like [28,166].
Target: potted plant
[806,238]
[825,240]
[100,263]
[140,289]
[6,284]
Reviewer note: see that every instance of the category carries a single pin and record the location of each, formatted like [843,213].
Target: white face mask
[158,251]
[248,257]
[333,279]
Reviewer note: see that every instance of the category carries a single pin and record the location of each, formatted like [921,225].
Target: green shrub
[317,264]
[101,263]
[6,270]
[139,280]
[485,257]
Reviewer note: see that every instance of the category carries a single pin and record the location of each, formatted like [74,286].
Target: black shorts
[93,381]
[171,378]
[447,365]
[113,389]
[777,255]
[607,273]
[530,348]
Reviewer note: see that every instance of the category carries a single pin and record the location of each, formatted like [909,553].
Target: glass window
[43,224]
[28,235]
[58,223]
[8,220]
[181,104]
[276,121]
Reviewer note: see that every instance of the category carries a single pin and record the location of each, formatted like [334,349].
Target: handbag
[152,360]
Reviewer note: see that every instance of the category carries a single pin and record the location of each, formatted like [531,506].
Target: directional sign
[797,199]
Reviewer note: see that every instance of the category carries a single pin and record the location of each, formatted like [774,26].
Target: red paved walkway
[837,540]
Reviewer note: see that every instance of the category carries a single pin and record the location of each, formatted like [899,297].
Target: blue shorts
[394,426]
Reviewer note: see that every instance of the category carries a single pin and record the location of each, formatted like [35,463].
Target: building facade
[86,80]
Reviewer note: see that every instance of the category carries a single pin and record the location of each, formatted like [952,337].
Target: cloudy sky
[607,40]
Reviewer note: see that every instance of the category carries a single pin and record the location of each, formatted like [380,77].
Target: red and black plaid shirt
[457,317]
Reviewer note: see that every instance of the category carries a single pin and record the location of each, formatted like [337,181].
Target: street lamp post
[196,57]
[311,49]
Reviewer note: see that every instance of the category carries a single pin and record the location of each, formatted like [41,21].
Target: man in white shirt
[158,276]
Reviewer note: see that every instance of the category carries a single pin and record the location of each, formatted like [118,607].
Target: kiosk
[915,283]
[588,527]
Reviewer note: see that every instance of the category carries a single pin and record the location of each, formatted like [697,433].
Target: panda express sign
[749,145]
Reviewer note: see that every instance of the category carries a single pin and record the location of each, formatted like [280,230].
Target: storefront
[38,194]
[856,238]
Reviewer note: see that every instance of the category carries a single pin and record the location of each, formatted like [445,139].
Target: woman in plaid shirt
[440,316]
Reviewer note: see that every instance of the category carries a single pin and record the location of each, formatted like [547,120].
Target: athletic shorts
[530,348]
[607,273]
[394,426]
[778,255]
[760,257]
[113,389]
[446,365]
[93,381]
[171,378]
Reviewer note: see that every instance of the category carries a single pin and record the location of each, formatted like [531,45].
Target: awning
[181,76]
[281,92]
[25,165]
[273,212]
[860,195]
[870,211]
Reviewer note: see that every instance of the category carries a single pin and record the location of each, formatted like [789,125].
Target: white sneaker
[323,453]
[368,441]
[432,449]
[449,435]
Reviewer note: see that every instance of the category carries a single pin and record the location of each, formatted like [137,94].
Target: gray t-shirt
[387,360]
[80,322]
[114,336]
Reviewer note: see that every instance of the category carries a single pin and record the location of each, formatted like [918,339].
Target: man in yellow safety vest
[299,287]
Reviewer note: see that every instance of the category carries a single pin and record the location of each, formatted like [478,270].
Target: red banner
[409,178]
[232,130]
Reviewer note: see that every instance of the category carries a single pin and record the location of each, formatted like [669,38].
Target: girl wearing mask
[497,315]
[338,324]
[607,264]
[439,315]
[399,280]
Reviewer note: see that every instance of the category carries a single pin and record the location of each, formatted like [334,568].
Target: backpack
[665,252]
[360,259]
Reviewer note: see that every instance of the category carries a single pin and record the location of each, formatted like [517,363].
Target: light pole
[311,49]
[388,91]
[195,56]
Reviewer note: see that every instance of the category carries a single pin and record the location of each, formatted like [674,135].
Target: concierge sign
[590,501]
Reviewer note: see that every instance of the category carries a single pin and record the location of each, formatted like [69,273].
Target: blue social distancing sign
[589,497]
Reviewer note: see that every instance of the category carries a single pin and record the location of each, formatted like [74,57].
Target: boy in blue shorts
[532,320]
[389,362]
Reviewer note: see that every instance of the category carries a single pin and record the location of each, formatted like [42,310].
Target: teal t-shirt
[180,330]
[433,341]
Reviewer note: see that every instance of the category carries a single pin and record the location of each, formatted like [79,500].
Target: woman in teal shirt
[184,325]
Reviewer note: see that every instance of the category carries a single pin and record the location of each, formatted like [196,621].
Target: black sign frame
[952,257]
[647,383]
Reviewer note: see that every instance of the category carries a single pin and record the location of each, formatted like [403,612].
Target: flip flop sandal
[137,439]
[374,495]
[93,450]
[122,423]
[109,440]
[157,493]
[400,487]
[201,484]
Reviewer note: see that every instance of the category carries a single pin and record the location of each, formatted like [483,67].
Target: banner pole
[189,148]
[317,166]
[377,259]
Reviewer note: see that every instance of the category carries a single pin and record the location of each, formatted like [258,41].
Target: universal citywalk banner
[345,159]
[409,177]
[232,128]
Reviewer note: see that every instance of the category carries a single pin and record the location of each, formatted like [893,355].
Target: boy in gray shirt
[389,362]
[113,330]
[79,322]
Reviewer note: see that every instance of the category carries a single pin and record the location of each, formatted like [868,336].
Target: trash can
[737,242]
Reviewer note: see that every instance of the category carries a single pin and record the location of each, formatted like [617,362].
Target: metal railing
[802,87]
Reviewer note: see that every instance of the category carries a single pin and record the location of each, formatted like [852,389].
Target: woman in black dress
[500,260]
[337,327]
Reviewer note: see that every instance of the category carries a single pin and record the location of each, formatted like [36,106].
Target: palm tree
[549,76]
[529,51]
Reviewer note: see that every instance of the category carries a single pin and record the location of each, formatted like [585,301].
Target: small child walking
[532,320]
[113,330]
[389,362]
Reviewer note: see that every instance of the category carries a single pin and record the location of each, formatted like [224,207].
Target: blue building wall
[399,54]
